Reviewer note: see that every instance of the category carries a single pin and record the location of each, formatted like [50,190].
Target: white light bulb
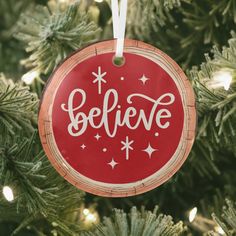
[219,230]
[192,214]
[8,193]
[29,77]
[86,211]
[221,79]
[98,0]
[91,217]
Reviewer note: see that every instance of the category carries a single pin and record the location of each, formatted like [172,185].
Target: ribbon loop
[119,24]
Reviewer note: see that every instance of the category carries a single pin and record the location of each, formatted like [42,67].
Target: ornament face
[117,130]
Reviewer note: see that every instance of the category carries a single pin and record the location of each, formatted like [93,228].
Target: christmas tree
[35,36]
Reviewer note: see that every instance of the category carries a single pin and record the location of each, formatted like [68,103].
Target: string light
[221,79]
[192,214]
[219,230]
[29,77]
[86,211]
[8,193]
[89,216]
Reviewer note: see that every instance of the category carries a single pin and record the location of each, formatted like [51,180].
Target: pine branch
[152,14]
[52,32]
[181,31]
[216,106]
[227,221]
[18,108]
[10,50]
[9,14]
[41,195]
[144,223]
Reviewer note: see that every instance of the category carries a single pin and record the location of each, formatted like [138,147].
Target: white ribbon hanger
[119,24]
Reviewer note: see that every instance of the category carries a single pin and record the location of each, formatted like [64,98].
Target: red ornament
[117,130]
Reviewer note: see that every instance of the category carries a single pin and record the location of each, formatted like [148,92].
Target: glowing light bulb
[219,230]
[91,218]
[98,0]
[86,211]
[192,214]
[29,77]
[8,193]
[221,79]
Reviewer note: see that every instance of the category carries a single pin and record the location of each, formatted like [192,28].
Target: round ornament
[113,130]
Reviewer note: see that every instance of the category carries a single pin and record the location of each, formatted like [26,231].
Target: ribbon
[119,23]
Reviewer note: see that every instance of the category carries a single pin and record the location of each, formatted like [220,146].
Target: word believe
[131,117]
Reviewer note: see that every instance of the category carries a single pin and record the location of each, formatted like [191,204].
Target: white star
[99,79]
[113,163]
[97,136]
[144,79]
[127,146]
[149,150]
[83,146]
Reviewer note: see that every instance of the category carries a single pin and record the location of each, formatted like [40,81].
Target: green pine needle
[52,32]
[227,221]
[136,223]
[41,195]
[18,107]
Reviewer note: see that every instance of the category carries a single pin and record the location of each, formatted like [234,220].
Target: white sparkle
[97,136]
[156,134]
[149,150]
[99,79]
[144,79]
[113,163]
[127,146]
[83,146]
[122,78]
[104,149]
[119,106]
